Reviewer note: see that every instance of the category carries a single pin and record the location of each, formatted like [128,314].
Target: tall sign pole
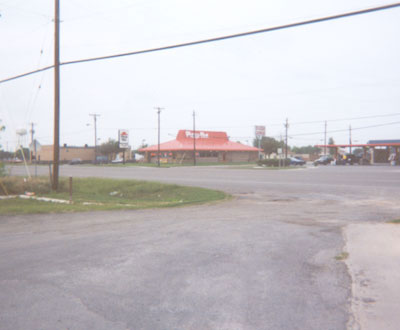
[56,145]
[260,133]
[194,138]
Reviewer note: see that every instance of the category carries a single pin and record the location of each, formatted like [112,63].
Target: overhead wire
[215,39]
[38,82]
[346,130]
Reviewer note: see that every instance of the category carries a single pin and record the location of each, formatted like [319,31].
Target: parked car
[295,161]
[323,160]
[348,159]
[75,161]
[101,160]
[117,160]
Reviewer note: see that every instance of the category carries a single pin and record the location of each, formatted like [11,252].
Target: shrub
[273,162]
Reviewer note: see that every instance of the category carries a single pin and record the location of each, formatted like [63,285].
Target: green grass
[106,194]
[395,221]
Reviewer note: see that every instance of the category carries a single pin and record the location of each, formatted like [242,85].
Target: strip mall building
[209,146]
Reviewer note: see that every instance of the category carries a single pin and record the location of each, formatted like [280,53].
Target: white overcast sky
[333,70]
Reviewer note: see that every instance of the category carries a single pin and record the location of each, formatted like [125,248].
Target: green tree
[109,148]
[311,150]
[331,142]
[269,144]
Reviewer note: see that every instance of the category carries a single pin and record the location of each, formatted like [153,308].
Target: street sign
[260,131]
[123,138]
[280,151]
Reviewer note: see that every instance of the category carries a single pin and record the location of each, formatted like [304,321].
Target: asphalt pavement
[264,260]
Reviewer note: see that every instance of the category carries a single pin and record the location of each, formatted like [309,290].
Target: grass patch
[342,256]
[103,194]
[395,221]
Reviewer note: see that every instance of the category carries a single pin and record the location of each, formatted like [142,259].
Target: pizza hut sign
[123,138]
[200,135]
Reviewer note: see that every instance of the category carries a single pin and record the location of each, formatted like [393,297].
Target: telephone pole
[194,138]
[350,137]
[32,131]
[158,149]
[286,138]
[325,138]
[95,115]
[56,144]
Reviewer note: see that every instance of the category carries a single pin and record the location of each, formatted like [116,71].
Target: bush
[273,162]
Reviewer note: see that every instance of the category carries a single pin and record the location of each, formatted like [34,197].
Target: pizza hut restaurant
[209,147]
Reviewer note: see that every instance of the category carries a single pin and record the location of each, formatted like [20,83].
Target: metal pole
[194,138]
[56,145]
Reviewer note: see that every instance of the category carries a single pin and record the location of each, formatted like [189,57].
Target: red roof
[205,141]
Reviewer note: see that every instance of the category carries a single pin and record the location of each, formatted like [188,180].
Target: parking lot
[264,260]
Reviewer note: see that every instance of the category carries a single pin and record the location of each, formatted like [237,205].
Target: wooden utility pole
[56,145]
[194,138]
[350,137]
[95,115]
[158,149]
[286,138]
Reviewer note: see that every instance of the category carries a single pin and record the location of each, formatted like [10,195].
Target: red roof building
[210,147]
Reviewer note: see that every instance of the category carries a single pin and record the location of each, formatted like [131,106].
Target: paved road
[262,261]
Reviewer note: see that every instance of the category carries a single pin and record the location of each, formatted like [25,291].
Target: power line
[346,119]
[346,130]
[216,39]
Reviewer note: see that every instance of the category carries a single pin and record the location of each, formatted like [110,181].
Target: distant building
[210,147]
[375,151]
[67,153]
[383,149]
